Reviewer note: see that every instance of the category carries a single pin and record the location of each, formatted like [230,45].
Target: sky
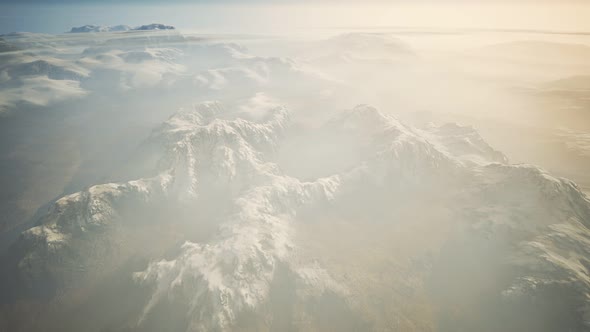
[278,16]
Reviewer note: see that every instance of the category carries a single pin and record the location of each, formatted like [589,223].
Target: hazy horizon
[261,17]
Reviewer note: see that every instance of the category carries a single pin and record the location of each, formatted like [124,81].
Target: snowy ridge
[119,28]
[209,148]
[234,272]
[465,143]
[100,28]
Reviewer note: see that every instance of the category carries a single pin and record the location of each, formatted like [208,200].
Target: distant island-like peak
[118,28]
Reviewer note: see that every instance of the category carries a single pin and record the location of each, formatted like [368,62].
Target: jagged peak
[463,143]
[209,147]
[366,120]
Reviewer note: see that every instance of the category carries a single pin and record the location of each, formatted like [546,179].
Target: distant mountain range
[116,28]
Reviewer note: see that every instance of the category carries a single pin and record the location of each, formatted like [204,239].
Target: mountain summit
[119,28]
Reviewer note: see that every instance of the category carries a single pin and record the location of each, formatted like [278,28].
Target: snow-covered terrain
[217,188]
[539,221]
[99,28]
[119,28]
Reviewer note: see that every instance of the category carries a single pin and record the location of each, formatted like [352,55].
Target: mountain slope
[523,232]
